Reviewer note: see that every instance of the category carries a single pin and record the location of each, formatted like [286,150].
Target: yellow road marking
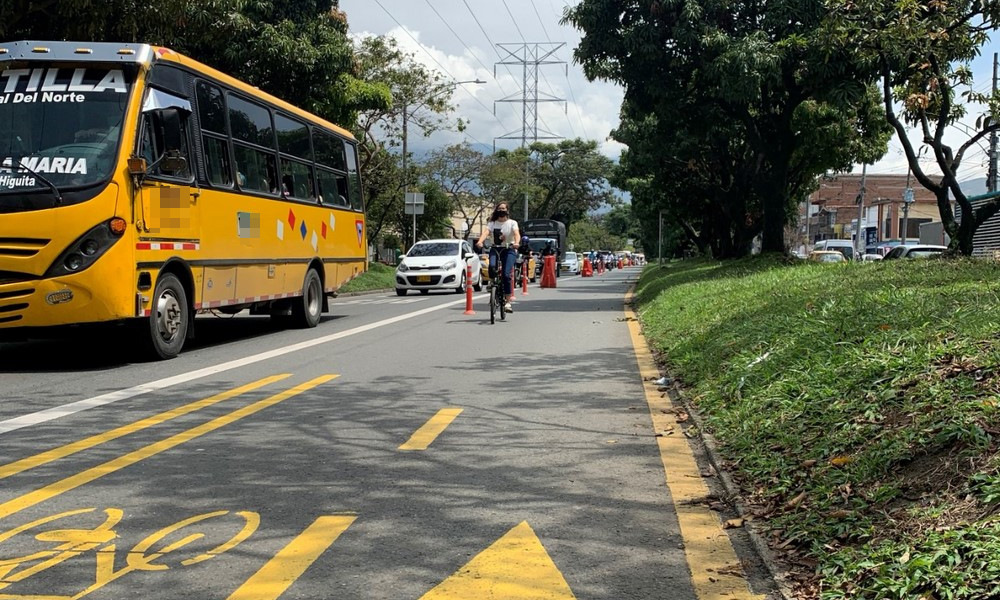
[279,573]
[515,567]
[74,481]
[423,437]
[709,551]
[48,456]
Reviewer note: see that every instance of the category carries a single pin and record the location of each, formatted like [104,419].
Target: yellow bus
[138,184]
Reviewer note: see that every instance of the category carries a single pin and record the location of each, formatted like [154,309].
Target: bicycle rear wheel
[502,303]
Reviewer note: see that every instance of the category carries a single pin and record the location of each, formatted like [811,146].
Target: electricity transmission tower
[529,57]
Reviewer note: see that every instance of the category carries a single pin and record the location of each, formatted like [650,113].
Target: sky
[460,37]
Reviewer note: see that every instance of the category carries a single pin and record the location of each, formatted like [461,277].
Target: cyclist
[506,238]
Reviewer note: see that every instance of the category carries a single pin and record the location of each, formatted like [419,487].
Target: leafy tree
[920,53]
[757,67]
[571,178]
[296,50]
[588,234]
[458,170]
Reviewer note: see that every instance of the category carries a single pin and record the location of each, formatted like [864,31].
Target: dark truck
[541,229]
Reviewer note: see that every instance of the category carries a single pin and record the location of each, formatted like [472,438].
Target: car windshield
[63,122]
[434,249]
[537,245]
[831,257]
[923,253]
[571,256]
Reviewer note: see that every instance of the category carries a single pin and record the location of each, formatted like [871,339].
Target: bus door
[168,196]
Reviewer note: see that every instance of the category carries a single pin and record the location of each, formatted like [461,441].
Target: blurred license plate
[423,278]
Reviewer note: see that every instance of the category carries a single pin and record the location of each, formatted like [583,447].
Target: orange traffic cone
[549,272]
[588,269]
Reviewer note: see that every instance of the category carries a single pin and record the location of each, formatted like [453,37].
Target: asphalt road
[400,450]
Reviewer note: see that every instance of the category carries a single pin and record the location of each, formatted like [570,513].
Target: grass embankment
[377,277]
[857,406]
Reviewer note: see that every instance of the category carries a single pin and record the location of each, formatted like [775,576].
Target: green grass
[378,277]
[857,406]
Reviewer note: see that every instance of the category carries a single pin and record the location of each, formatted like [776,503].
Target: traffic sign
[908,195]
[413,203]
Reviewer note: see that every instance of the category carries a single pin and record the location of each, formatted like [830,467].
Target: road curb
[364,293]
[733,497]
[731,489]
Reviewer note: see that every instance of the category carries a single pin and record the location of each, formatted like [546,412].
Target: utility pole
[406,179]
[859,241]
[991,179]
[908,199]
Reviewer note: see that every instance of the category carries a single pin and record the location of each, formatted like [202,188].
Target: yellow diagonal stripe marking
[48,456]
[74,481]
[710,555]
[291,561]
[515,567]
[423,437]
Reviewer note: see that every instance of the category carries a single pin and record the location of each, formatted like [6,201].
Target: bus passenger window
[332,188]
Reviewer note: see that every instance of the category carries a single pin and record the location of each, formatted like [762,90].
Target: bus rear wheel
[169,318]
[307,310]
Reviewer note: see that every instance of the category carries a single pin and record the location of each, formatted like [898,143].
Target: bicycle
[496,296]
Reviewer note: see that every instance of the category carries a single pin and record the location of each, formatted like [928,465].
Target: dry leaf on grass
[733,524]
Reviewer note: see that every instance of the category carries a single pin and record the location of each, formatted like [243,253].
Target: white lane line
[57,412]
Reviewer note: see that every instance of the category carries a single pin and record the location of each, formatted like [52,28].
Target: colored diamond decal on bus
[361,230]
[303,230]
[281,230]
[333,222]
[315,241]
[322,230]
[291,218]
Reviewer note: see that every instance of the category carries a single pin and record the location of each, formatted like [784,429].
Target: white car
[915,251]
[570,264]
[437,265]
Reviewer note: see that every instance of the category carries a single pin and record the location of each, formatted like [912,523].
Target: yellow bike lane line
[72,482]
[712,560]
[42,458]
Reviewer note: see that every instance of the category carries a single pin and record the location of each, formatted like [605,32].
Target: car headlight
[402,268]
[451,264]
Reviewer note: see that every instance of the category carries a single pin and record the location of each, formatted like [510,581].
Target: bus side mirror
[170,121]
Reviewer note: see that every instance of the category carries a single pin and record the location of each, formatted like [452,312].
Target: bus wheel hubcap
[168,316]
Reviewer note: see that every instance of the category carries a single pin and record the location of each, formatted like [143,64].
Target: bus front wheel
[307,310]
[169,318]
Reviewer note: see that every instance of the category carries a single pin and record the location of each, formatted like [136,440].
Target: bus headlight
[85,251]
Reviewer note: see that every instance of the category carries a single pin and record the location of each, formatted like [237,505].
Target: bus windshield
[58,123]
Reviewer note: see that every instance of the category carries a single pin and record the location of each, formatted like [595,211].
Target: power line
[523,39]
[427,52]
[457,37]
[544,30]
[492,45]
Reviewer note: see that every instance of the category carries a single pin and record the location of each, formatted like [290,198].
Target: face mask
[501,213]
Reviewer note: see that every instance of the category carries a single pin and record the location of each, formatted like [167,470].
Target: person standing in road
[506,238]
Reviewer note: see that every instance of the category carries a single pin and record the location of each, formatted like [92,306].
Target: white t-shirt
[506,229]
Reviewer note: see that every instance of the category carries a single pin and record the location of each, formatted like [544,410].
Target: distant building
[833,210]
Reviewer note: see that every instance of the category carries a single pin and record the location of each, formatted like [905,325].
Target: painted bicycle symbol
[50,542]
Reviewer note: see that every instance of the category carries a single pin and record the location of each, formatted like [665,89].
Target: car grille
[21,247]
[434,280]
[423,268]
